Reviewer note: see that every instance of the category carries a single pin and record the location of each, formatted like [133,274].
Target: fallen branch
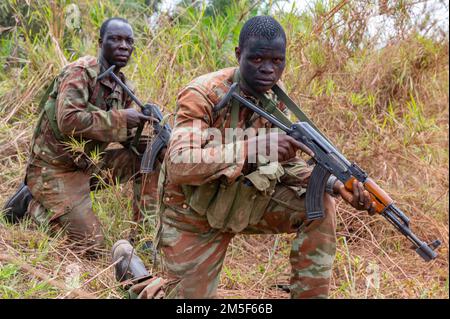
[39,274]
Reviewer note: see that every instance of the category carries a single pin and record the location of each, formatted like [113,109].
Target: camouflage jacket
[86,110]
[195,104]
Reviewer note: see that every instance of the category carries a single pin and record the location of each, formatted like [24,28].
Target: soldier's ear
[100,41]
[237,52]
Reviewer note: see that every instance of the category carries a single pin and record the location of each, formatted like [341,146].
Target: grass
[384,107]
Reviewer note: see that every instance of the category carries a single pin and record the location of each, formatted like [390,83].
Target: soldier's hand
[134,118]
[288,146]
[359,198]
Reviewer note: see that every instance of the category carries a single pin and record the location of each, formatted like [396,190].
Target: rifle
[162,133]
[329,161]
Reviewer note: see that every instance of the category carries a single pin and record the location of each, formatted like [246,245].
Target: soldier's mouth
[122,58]
[264,82]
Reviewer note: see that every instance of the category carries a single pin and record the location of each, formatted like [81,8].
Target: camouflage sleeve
[296,172]
[77,117]
[194,158]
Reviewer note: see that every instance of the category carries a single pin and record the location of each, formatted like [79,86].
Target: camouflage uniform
[60,178]
[192,250]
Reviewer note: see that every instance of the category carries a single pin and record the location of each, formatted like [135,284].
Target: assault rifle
[162,133]
[329,161]
[16,207]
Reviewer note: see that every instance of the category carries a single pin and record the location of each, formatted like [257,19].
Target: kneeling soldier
[205,199]
[93,112]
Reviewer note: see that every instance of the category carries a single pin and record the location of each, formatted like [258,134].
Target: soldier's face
[261,62]
[117,43]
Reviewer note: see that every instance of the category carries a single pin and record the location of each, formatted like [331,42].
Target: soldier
[204,200]
[94,113]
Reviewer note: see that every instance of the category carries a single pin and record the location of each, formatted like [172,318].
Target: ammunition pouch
[233,207]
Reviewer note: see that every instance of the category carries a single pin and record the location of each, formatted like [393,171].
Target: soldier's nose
[267,69]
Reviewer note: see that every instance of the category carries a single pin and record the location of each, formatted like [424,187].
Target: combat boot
[16,207]
[130,267]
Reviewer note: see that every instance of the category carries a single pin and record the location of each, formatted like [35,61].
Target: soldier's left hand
[359,198]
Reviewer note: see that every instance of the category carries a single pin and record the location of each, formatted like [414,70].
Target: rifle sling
[294,108]
[270,106]
[290,104]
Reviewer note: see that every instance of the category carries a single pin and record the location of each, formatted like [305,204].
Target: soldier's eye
[256,60]
[278,60]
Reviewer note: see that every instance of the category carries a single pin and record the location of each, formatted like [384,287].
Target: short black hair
[106,22]
[261,26]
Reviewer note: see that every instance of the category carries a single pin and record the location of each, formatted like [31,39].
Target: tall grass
[385,106]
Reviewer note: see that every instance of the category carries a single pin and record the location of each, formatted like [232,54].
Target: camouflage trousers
[61,197]
[193,253]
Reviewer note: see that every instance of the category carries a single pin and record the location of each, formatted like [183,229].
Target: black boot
[16,207]
[130,267]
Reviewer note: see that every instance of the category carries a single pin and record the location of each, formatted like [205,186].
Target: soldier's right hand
[134,118]
[277,143]
[288,146]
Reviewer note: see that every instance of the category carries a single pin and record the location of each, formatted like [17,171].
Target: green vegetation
[384,104]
